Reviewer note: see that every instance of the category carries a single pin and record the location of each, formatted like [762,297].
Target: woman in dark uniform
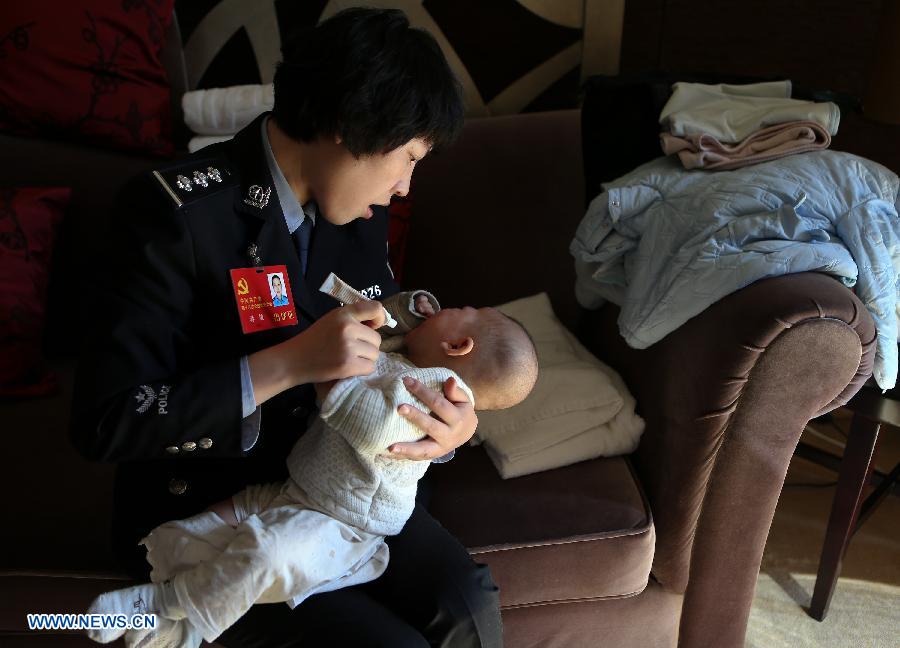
[194,396]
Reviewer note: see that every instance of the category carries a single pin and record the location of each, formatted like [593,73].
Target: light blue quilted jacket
[664,243]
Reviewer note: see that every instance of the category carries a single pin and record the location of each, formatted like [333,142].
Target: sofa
[660,548]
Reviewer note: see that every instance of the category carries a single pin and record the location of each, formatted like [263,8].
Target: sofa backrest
[493,214]
[95,176]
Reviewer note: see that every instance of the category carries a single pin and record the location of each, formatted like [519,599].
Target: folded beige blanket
[579,409]
[703,151]
[579,436]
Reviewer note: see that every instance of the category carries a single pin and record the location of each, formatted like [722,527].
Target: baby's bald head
[491,352]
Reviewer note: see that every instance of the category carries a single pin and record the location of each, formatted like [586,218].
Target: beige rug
[863,614]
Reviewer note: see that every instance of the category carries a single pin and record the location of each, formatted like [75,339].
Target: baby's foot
[140,599]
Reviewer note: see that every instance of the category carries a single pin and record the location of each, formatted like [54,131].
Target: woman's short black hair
[368,77]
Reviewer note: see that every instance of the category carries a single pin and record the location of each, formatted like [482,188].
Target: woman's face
[276,285]
[345,187]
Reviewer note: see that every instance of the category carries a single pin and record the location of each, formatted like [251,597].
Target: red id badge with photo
[263,297]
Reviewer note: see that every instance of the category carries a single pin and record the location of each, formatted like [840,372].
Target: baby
[325,527]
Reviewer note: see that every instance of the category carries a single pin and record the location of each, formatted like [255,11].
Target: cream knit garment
[342,461]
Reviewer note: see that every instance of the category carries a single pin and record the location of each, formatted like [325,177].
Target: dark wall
[818,44]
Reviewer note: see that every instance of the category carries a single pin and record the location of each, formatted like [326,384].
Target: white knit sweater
[342,462]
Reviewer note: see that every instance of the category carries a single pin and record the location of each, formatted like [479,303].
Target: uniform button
[205,443]
[188,446]
[172,449]
[300,412]
[177,486]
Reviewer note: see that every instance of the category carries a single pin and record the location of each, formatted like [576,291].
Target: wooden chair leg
[856,470]
[877,496]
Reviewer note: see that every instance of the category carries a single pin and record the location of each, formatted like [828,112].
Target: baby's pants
[281,551]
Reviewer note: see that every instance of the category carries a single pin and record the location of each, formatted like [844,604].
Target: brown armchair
[661,549]
[725,399]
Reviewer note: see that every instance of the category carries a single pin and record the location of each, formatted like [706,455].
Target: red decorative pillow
[399,215]
[29,220]
[86,71]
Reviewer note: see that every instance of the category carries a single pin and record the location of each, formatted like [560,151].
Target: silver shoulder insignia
[192,180]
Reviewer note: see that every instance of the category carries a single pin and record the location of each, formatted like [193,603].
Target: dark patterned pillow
[29,220]
[86,71]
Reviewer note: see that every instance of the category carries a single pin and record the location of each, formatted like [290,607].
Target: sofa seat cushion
[581,532]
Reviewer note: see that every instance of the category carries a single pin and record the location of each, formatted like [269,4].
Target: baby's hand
[423,306]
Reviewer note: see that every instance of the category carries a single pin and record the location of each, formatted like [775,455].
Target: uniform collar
[249,159]
[294,214]
[272,241]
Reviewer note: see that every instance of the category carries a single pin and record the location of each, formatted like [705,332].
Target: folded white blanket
[579,409]
[225,111]
[731,113]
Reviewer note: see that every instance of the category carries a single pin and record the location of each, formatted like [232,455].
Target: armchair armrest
[725,398]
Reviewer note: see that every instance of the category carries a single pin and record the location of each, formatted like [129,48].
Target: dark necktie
[301,238]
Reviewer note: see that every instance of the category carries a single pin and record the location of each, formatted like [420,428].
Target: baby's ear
[459,347]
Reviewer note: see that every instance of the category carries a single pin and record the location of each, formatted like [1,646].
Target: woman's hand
[451,424]
[340,344]
[322,390]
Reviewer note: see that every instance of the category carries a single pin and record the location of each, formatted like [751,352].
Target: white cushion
[579,409]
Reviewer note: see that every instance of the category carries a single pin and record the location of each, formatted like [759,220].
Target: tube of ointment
[346,294]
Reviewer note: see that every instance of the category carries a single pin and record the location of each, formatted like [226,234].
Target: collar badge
[258,197]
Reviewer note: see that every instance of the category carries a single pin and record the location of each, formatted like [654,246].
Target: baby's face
[490,352]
